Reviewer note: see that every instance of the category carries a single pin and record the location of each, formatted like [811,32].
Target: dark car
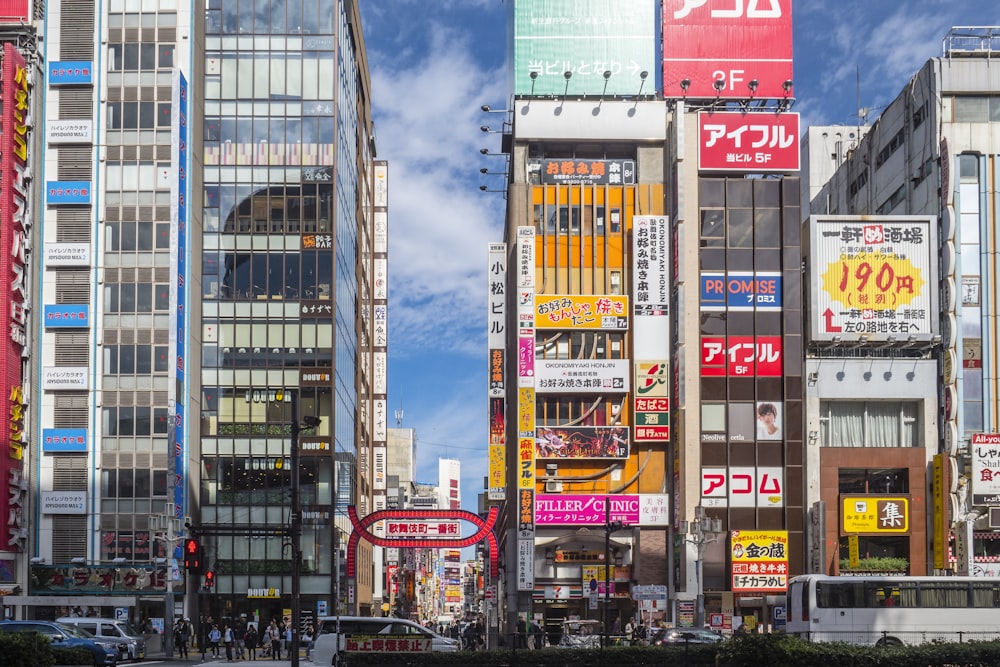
[663,636]
[104,653]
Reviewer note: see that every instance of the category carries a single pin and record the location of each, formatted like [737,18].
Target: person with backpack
[214,637]
[274,637]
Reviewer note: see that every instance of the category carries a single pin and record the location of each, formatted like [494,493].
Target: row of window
[941,594]
[305,207]
[138,115]
[215,356]
[269,129]
[741,228]
[241,276]
[128,483]
[268,17]
[136,298]
[138,359]
[133,236]
[134,57]
[134,420]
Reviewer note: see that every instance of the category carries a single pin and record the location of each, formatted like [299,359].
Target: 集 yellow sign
[852,551]
[872,514]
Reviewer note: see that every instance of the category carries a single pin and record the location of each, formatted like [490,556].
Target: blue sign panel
[741,291]
[71,73]
[64,440]
[67,316]
[68,192]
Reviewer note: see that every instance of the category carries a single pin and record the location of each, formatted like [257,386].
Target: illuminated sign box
[68,192]
[67,254]
[71,73]
[66,316]
[79,131]
[874,515]
[64,440]
[63,502]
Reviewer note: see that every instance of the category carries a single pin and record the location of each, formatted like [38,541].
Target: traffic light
[209,579]
[192,555]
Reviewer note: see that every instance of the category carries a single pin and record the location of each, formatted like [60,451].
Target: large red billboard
[748,141]
[16,12]
[15,225]
[734,42]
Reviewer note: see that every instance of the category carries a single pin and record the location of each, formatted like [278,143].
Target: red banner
[748,141]
[705,41]
[741,356]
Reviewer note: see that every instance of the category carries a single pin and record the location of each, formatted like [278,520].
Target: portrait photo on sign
[769,420]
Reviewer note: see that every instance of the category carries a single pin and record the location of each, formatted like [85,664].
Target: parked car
[581,634]
[328,640]
[663,636]
[119,631]
[104,651]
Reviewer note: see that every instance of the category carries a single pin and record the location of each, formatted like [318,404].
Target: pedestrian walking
[274,638]
[250,640]
[229,638]
[214,637]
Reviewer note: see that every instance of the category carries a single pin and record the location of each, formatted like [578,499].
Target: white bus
[889,611]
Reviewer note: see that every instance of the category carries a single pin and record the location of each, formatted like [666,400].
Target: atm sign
[741,291]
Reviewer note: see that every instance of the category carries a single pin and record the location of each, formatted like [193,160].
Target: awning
[70,600]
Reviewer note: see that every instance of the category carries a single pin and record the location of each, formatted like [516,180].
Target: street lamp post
[170,526]
[609,527]
[703,530]
[308,422]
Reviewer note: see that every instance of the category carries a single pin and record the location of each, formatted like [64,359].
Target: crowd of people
[239,640]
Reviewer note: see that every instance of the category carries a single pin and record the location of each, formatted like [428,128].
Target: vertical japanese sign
[874,276]
[497,339]
[15,235]
[734,43]
[526,408]
[759,560]
[733,141]
[176,394]
[985,454]
[651,258]
[380,357]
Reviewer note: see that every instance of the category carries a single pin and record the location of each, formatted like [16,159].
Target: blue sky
[433,64]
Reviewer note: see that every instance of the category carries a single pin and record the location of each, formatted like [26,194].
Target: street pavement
[195,659]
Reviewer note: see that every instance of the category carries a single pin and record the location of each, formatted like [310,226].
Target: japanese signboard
[740,290]
[387,644]
[70,73]
[79,131]
[67,192]
[15,12]
[66,316]
[581,376]
[874,515]
[423,528]
[64,440]
[497,338]
[587,172]
[650,403]
[65,377]
[15,245]
[753,142]
[759,560]
[590,510]
[526,564]
[585,38]
[740,356]
[67,254]
[651,256]
[735,43]
[743,486]
[581,312]
[985,455]
[581,442]
[525,515]
[873,276]
[497,295]
[63,502]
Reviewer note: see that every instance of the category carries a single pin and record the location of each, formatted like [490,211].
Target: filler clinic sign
[732,42]
[748,142]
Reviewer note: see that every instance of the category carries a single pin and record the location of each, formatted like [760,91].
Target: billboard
[67,254]
[66,316]
[80,131]
[64,440]
[587,172]
[740,291]
[67,192]
[873,276]
[759,560]
[590,510]
[581,442]
[581,376]
[985,454]
[741,356]
[587,38]
[15,235]
[743,486]
[755,142]
[15,12]
[70,73]
[874,515]
[734,43]
[581,311]
[497,338]
[176,394]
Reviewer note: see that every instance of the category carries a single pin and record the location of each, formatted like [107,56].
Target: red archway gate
[484,531]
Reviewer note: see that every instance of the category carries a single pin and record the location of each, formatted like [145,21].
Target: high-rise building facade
[912,377]
[214,267]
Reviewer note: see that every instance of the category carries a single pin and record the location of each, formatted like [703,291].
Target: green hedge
[25,649]
[740,651]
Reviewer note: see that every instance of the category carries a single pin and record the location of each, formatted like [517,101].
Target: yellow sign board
[853,555]
[581,311]
[874,514]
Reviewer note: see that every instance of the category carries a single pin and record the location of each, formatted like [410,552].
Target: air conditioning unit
[553,487]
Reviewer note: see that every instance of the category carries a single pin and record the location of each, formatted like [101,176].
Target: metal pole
[607,568]
[296,534]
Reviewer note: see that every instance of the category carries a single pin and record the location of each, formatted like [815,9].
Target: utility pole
[295,520]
